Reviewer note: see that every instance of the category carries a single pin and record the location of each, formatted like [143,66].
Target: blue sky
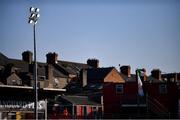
[140,33]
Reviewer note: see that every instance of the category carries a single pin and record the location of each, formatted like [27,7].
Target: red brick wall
[113,100]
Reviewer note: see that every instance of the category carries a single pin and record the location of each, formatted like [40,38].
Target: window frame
[119,86]
[163,89]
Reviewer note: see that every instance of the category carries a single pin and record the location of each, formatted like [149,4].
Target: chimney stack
[49,75]
[27,56]
[51,58]
[93,63]
[145,75]
[156,73]
[83,77]
[126,70]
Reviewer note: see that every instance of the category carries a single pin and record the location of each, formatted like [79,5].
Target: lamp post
[34,15]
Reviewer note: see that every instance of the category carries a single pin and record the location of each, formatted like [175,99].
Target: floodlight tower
[34,15]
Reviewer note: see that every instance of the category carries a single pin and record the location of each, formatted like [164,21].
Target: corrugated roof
[80,100]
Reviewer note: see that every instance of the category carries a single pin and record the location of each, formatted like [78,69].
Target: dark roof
[80,100]
[133,79]
[96,86]
[42,70]
[153,80]
[72,67]
[128,79]
[25,70]
[3,59]
[61,69]
[97,74]
[57,73]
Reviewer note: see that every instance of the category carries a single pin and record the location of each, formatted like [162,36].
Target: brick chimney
[27,56]
[156,73]
[83,77]
[49,74]
[51,58]
[126,70]
[144,78]
[93,63]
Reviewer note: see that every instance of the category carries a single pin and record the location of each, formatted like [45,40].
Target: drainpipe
[73,111]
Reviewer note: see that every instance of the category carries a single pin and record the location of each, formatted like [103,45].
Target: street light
[34,15]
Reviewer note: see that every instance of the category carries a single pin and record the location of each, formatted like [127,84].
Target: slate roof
[96,74]
[128,79]
[3,59]
[80,100]
[151,79]
[61,69]
[21,65]
[72,67]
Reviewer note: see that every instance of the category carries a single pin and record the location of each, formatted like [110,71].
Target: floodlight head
[30,21]
[37,10]
[32,9]
[37,15]
[32,15]
[35,22]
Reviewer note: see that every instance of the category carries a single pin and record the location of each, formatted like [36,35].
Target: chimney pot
[156,73]
[93,63]
[27,56]
[51,58]
[126,70]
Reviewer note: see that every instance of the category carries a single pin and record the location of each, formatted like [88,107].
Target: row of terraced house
[84,90]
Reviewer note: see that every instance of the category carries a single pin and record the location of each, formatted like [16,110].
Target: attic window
[162,89]
[119,89]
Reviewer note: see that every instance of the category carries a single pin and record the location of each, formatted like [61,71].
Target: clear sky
[140,33]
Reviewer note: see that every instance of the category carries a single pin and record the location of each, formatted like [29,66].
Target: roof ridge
[71,62]
[3,55]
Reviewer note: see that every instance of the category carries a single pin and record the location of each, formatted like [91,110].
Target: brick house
[160,100]
[162,94]
[121,100]
[16,76]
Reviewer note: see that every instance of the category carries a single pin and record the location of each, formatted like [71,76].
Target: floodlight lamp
[37,10]
[37,15]
[32,15]
[32,9]
[30,21]
[35,22]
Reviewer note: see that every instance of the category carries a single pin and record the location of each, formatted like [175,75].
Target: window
[14,82]
[163,89]
[119,88]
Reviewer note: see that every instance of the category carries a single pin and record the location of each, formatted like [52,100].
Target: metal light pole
[34,15]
